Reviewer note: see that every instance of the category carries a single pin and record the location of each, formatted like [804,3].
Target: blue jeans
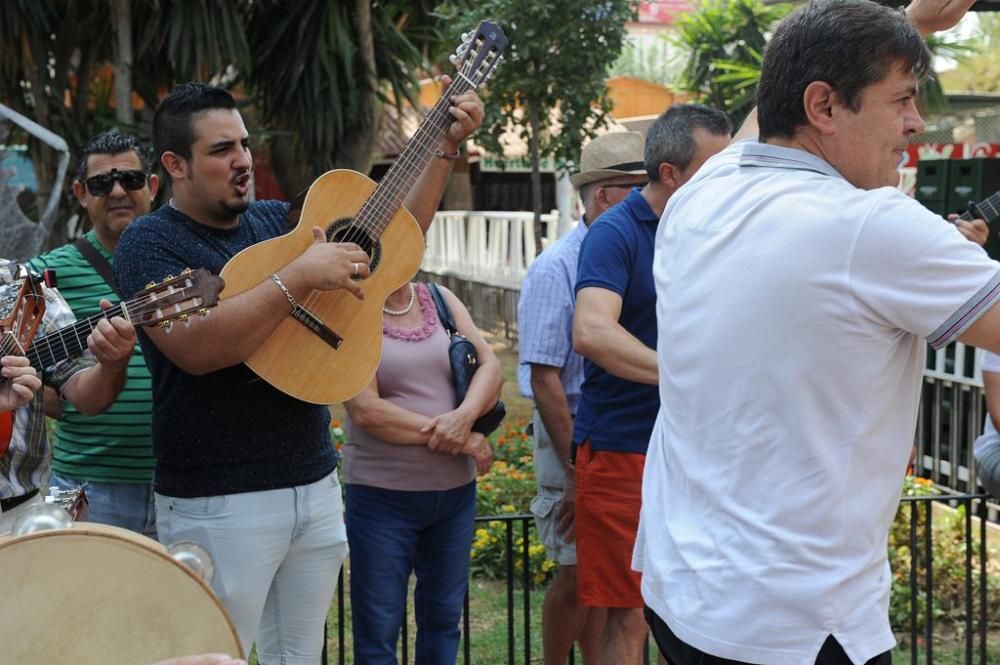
[127,505]
[393,533]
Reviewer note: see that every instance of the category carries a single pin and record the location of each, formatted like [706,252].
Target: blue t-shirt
[227,431]
[617,255]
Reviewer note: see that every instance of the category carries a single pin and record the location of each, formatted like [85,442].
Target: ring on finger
[357,268]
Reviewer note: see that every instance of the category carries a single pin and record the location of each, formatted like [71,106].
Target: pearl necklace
[405,310]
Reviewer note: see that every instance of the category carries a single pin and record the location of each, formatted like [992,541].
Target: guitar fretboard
[397,182]
[989,208]
[69,341]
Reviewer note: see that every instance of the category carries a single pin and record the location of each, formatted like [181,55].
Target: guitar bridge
[316,326]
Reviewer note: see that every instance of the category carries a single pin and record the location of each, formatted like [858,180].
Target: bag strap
[443,312]
[99,263]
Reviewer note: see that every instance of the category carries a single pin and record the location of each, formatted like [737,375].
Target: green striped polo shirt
[114,446]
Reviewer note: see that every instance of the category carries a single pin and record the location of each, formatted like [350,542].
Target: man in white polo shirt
[796,292]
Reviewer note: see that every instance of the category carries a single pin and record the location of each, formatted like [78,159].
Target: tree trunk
[357,151]
[121,16]
[536,173]
[41,156]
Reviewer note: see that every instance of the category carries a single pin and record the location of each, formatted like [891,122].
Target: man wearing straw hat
[550,373]
[614,328]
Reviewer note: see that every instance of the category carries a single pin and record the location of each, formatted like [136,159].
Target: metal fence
[951,417]
[961,598]
[971,604]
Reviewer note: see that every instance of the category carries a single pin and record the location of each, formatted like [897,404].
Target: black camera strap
[99,263]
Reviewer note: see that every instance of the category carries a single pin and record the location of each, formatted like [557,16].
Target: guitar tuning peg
[151,285]
[203,312]
[454,59]
[186,271]
[168,326]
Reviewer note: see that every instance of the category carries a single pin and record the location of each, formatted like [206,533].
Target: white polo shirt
[793,310]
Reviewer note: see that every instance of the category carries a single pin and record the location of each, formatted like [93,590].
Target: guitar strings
[403,173]
[48,343]
[377,211]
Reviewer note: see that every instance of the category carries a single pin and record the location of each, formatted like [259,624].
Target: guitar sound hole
[345,230]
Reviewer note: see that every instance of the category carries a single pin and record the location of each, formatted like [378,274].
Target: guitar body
[296,360]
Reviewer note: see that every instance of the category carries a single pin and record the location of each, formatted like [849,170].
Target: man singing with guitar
[90,382]
[243,469]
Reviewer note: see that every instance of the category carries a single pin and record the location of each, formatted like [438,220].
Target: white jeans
[277,555]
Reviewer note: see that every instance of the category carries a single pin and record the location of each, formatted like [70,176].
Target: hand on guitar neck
[974,222]
[112,342]
[19,384]
[974,230]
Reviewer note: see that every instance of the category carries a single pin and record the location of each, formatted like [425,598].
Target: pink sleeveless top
[415,374]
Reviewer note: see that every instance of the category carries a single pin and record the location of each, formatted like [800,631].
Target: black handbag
[464,363]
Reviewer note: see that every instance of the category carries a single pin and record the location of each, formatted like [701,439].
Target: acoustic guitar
[328,349]
[193,293]
[22,307]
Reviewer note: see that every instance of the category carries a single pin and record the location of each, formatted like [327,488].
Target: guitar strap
[99,263]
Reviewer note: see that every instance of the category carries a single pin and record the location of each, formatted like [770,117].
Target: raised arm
[423,199]
[929,16]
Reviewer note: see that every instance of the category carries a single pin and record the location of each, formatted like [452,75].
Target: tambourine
[93,594]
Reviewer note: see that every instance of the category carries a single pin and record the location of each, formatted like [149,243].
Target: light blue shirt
[545,315]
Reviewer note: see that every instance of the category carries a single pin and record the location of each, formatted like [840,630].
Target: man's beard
[235,210]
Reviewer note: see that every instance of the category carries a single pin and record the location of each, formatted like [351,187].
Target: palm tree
[314,72]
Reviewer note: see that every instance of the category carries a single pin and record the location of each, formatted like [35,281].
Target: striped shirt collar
[776,156]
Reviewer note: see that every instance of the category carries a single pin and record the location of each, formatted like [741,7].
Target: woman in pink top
[409,468]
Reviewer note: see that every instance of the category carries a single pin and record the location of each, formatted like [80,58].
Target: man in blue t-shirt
[614,328]
[242,469]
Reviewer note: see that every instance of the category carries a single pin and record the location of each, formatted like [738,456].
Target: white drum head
[99,595]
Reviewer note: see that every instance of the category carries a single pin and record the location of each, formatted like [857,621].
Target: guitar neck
[70,341]
[399,180]
[988,209]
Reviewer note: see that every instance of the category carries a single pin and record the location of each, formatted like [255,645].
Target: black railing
[965,612]
[933,610]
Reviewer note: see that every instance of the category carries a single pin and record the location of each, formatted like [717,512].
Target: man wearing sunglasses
[110,453]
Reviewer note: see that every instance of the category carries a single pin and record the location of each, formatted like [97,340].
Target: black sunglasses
[628,185]
[102,184]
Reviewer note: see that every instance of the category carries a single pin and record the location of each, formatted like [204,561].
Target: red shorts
[608,497]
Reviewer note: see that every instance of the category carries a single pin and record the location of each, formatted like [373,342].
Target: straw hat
[610,156]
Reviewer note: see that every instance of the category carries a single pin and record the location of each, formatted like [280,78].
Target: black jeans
[678,652]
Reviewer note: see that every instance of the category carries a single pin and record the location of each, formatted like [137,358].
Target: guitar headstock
[22,307]
[480,52]
[193,293]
